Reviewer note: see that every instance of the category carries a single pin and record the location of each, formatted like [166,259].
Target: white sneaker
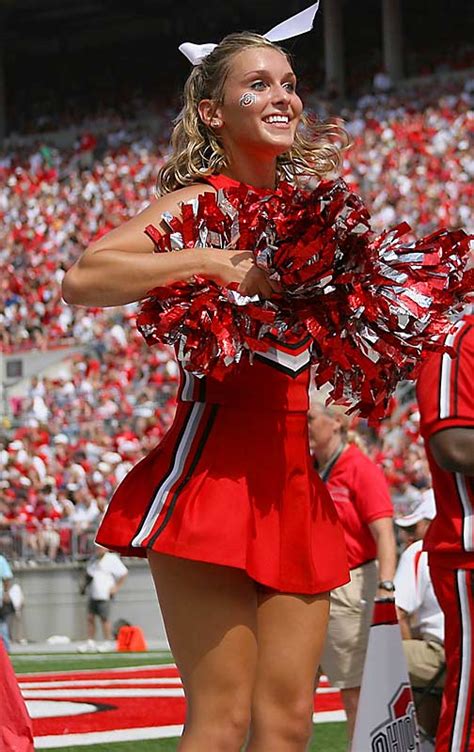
[107,646]
[87,647]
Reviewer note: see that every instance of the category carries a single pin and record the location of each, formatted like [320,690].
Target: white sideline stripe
[116,670]
[141,734]
[98,683]
[97,737]
[329,716]
[55,694]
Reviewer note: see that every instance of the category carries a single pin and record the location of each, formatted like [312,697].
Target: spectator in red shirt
[446,400]
[362,499]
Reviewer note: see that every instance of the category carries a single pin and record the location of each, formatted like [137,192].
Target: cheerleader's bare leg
[210,614]
[290,633]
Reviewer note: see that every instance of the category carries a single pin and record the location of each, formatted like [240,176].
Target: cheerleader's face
[260,109]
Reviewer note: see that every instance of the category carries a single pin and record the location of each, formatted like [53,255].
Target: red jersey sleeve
[372,496]
[445,388]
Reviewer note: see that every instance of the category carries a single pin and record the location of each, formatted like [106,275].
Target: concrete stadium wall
[14,367]
[54,606]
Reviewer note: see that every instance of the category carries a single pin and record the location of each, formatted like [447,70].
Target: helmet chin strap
[292,27]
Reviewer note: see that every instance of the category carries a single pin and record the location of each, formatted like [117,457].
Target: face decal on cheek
[247,99]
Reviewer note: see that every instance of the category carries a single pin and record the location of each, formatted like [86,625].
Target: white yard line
[103,694]
[159,681]
[97,737]
[142,734]
[329,716]
[67,683]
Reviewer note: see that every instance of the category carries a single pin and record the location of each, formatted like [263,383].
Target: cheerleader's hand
[227,267]
[257,282]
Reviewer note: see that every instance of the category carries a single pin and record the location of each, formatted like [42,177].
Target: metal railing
[65,543]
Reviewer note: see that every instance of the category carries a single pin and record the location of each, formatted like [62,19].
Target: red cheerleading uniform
[446,399]
[232,482]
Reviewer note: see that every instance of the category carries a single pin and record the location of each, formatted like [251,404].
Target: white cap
[129,446]
[61,438]
[111,458]
[425,509]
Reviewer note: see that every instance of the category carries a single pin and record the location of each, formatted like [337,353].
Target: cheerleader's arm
[122,267]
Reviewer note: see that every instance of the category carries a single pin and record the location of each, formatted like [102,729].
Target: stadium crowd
[72,437]
[78,435]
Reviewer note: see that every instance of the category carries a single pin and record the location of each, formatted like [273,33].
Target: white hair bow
[292,27]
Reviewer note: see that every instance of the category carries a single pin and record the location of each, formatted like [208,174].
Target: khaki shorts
[349,624]
[424,660]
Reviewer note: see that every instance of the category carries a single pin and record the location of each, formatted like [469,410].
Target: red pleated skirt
[235,487]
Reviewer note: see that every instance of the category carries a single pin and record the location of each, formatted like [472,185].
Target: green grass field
[27,664]
[327,737]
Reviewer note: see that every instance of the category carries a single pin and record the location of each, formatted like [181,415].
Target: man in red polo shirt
[445,392]
[360,492]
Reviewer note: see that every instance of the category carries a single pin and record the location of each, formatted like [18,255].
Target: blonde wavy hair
[339,413]
[196,150]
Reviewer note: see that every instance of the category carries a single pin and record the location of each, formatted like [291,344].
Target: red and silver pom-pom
[372,304]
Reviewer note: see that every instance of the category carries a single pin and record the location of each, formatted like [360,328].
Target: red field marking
[137,707]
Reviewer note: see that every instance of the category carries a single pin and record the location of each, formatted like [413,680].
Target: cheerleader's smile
[282,122]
